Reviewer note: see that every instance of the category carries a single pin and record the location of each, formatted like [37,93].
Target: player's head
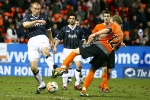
[117,19]
[72,18]
[35,8]
[77,22]
[107,16]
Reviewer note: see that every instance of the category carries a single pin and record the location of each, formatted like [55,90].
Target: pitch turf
[23,88]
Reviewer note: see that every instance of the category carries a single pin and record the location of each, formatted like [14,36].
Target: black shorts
[110,63]
[99,57]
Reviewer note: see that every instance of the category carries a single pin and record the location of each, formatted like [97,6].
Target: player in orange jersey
[99,49]
[109,64]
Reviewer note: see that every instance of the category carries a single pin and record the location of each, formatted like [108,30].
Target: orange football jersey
[99,27]
[114,38]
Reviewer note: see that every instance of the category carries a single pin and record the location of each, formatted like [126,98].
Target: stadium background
[131,62]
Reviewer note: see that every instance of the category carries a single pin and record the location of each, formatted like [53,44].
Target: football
[52,87]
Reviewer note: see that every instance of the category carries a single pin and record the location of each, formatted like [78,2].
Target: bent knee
[34,66]
[45,51]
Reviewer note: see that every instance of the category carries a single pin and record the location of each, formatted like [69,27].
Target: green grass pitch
[23,88]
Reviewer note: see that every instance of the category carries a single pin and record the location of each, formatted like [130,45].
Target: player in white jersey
[39,33]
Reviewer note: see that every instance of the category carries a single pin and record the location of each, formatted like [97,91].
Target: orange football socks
[104,83]
[67,61]
[88,80]
[108,76]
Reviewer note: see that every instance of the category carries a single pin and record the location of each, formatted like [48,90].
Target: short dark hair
[107,12]
[72,15]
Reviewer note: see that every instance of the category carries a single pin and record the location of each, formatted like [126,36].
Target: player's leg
[109,70]
[33,55]
[66,77]
[78,51]
[77,61]
[104,79]
[70,58]
[65,74]
[66,62]
[87,82]
[64,80]
[88,51]
[49,58]
[69,75]
[96,62]
[104,76]
[110,65]
[37,75]
[81,77]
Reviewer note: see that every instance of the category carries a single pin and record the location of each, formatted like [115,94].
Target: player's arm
[94,31]
[89,41]
[51,39]
[55,45]
[103,31]
[31,23]
[118,46]
[58,38]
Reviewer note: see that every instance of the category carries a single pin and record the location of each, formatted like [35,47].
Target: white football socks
[65,78]
[77,76]
[50,62]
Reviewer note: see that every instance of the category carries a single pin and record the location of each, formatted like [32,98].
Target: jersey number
[114,41]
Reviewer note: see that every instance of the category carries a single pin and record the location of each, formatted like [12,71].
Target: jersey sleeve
[95,30]
[61,34]
[26,18]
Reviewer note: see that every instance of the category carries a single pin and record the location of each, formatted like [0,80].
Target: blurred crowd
[135,15]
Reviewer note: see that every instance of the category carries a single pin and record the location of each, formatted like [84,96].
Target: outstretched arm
[93,36]
[104,31]
[30,24]
[55,46]
[49,34]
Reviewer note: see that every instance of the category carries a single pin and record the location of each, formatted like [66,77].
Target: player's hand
[92,36]
[123,44]
[41,21]
[52,45]
[55,50]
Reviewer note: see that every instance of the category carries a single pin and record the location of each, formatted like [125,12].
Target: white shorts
[35,46]
[66,52]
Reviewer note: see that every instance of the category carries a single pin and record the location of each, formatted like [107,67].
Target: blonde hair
[117,18]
